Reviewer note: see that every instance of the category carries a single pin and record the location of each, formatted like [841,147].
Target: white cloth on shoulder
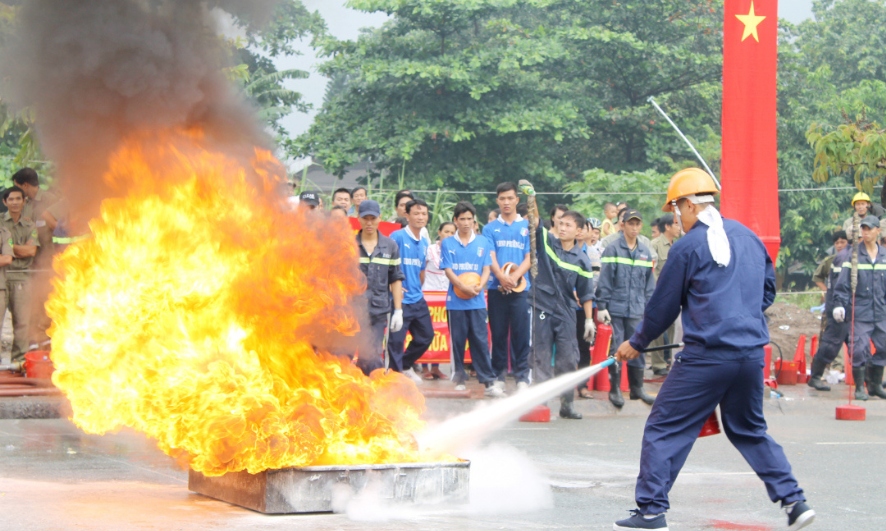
[718,243]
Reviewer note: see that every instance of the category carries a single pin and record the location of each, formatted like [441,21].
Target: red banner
[749,169]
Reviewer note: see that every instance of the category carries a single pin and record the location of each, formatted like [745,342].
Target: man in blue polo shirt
[508,299]
[466,252]
[416,316]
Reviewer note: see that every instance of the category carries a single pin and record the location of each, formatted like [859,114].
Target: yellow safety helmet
[861,196]
[686,182]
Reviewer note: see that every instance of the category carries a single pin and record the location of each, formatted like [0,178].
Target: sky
[345,23]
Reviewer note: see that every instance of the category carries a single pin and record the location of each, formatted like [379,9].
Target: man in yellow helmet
[861,202]
[721,277]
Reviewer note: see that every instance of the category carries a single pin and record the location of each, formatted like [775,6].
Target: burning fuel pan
[312,489]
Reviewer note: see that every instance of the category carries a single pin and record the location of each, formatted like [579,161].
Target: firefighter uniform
[381,268]
[562,275]
[626,282]
[835,334]
[724,332]
[867,316]
[416,315]
[18,286]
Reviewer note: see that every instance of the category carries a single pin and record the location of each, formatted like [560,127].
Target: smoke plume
[97,71]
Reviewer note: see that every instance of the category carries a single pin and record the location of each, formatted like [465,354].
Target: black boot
[875,381]
[615,386]
[566,409]
[635,379]
[815,381]
[858,376]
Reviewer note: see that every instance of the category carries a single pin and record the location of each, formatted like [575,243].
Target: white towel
[718,243]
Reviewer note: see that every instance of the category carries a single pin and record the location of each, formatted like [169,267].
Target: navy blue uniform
[835,334]
[561,276]
[509,312]
[625,283]
[381,269]
[722,363]
[416,315]
[869,310]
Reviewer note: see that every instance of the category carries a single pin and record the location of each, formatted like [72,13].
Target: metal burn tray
[314,489]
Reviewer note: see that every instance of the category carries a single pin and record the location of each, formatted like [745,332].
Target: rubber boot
[858,374]
[566,409]
[635,379]
[815,381]
[875,385]
[615,386]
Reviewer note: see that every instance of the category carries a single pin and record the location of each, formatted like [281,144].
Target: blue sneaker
[799,515]
[638,521]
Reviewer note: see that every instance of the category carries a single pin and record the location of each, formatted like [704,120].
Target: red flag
[749,169]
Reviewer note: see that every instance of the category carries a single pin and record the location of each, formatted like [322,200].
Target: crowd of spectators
[588,268]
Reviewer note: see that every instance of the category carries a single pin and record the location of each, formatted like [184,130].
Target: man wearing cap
[507,295]
[309,200]
[721,276]
[416,315]
[626,282]
[867,306]
[380,263]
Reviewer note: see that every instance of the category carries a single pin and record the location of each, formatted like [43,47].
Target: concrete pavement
[561,475]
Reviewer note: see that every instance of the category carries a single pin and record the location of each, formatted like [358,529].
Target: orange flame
[193,312]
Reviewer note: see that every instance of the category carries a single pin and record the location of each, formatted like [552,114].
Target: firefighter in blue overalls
[564,274]
[835,333]
[625,283]
[870,309]
[722,277]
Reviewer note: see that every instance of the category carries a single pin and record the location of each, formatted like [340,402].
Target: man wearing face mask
[721,276]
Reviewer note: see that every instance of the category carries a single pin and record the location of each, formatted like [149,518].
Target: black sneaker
[638,521]
[799,516]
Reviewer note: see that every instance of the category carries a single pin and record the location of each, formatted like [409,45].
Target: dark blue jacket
[381,269]
[870,292]
[561,276]
[626,280]
[722,306]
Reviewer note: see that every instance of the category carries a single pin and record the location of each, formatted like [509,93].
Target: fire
[193,315]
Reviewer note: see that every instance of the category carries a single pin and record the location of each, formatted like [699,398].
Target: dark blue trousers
[509,317]
[416,321]
[861,348]
[622,330]
[832,339]
[687,398]
[470,326]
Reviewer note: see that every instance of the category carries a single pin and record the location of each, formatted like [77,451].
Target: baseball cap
[871,222]
[369,208]
[630,214]
[309,198]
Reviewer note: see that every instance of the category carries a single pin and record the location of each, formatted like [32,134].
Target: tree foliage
[473,92]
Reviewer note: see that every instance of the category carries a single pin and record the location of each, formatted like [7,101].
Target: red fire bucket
[711,426]
[787,372]
[38,365]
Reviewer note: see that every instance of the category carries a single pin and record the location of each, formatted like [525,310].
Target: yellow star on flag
[750,21]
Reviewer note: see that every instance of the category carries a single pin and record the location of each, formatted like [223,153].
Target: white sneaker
[494,392]
[522,386]
[414,376]
[500,384]
[460,387]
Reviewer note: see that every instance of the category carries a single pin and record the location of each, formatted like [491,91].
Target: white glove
[396,320]
[839,314]
[590,330]
[603,316]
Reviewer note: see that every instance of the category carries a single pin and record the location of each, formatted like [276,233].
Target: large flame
[193,312]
